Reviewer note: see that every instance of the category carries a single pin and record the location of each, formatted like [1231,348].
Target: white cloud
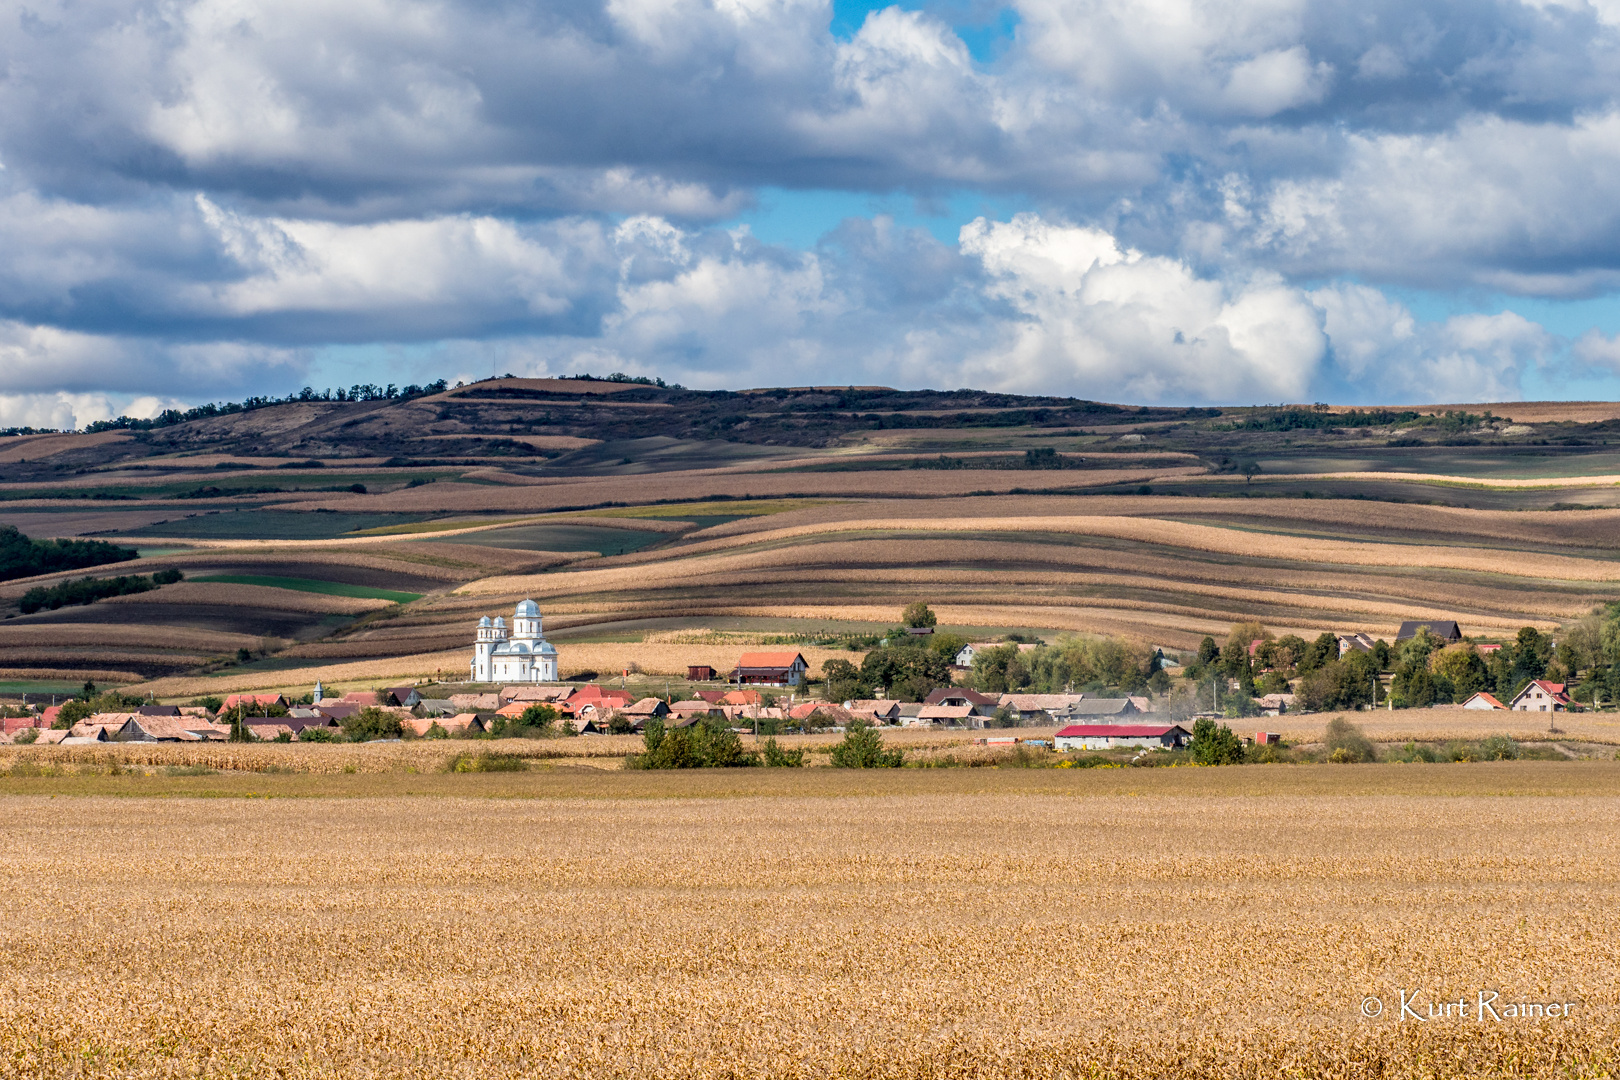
[1118,324]
[1378,344]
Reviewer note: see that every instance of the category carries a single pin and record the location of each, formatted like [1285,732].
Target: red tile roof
[1117,731]
[768,659]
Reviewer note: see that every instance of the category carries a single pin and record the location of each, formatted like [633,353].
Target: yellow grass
[1444,725]
[974,926]
[69,674]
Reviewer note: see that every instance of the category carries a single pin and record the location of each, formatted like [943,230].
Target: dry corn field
[1183,924]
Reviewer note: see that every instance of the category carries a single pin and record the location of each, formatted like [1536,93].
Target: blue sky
[1132,200]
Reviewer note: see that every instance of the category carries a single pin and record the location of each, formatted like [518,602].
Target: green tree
[372,723]
[72,713]
[918,615]
[843,681]
[1215,745]
[1208,651]
[946,644]
[777,758]
[1338,684]
[863,748]
[709,744]
[908,671]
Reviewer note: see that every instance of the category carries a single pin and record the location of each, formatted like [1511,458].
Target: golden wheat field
[961,924]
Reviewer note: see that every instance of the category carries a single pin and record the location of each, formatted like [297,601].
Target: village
[514,690]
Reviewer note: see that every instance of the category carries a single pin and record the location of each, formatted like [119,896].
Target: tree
[863,748]
[918,615]
[709,744]
[946,644]
[1344,742]
[1215,745]
[1250,469]
[72,713]
[778,758]
[843,681]
[1208,650]
[372,723]
[1319,652]
[1338,684]
[908,671]
[1531,652]
[538,716]
[1463,669]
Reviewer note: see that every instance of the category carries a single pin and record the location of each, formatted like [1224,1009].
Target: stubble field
[1134,924]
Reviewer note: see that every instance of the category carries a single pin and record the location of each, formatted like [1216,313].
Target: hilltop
[355,540]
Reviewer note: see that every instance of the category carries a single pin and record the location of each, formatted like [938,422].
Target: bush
[486,762]
[318,734]
[1498,748]
[1212,745]
[863,748]
[709,744]
[72,713]
[26,736]
[1345,743]
[436,731]
[777,758]
[1412,753]
[167,577]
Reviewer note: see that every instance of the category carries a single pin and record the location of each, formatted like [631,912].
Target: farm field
[628,511]
[1140,923]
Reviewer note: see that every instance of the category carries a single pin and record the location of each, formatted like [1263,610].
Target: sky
[1142,201]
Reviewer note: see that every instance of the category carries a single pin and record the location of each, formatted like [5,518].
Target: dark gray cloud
[196,192]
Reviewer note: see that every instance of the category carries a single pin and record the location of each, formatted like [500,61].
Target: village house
[770,668]
[1095,710]
[950,716]
[254,703]
[1483,701]
[1543,696]
[1114,736]
[965,655]
[1446,630]
[1032,708]
[978,704]
[873,710]
[1349,643]
[1275,704]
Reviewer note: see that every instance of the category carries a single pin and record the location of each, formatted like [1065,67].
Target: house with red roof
[1483,701]
[254,701]
[770,668]
[1543,696]
[1114,736]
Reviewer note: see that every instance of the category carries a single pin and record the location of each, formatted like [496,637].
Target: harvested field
[366,673]
[1444,725]
[210,594]
[919,925]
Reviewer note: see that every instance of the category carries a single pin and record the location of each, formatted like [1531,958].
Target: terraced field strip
[328,588]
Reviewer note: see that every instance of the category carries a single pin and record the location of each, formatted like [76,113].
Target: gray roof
[1100,707]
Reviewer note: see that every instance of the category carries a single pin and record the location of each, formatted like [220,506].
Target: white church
[521,656]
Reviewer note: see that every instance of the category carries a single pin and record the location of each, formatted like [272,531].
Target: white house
[1112,736]
[1542,696]
[1483,701]
[519,656]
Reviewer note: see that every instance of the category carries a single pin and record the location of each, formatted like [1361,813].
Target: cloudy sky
[1228,201]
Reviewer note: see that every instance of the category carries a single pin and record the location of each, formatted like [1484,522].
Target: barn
[1115,736]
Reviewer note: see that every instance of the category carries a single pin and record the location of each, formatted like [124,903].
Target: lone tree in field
[862,748]
[919,615]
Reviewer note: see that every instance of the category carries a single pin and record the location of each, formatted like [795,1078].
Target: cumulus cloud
[199,194]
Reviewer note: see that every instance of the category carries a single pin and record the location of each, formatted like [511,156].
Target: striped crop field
[311,585]
[962,923]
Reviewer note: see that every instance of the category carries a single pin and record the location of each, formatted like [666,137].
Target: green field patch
[272,525]
[17,687]
[434,526]
[565,537]
[329,588]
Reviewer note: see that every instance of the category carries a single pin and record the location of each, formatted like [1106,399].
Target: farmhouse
[1445,630]
[253,702]
[770,668]
[1110,736]
[1482,700]
[880,711]
[965,655]
[977,704]
[1096,709]
[1542,696]
[522,655]
[1349,643]
[1032,706]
